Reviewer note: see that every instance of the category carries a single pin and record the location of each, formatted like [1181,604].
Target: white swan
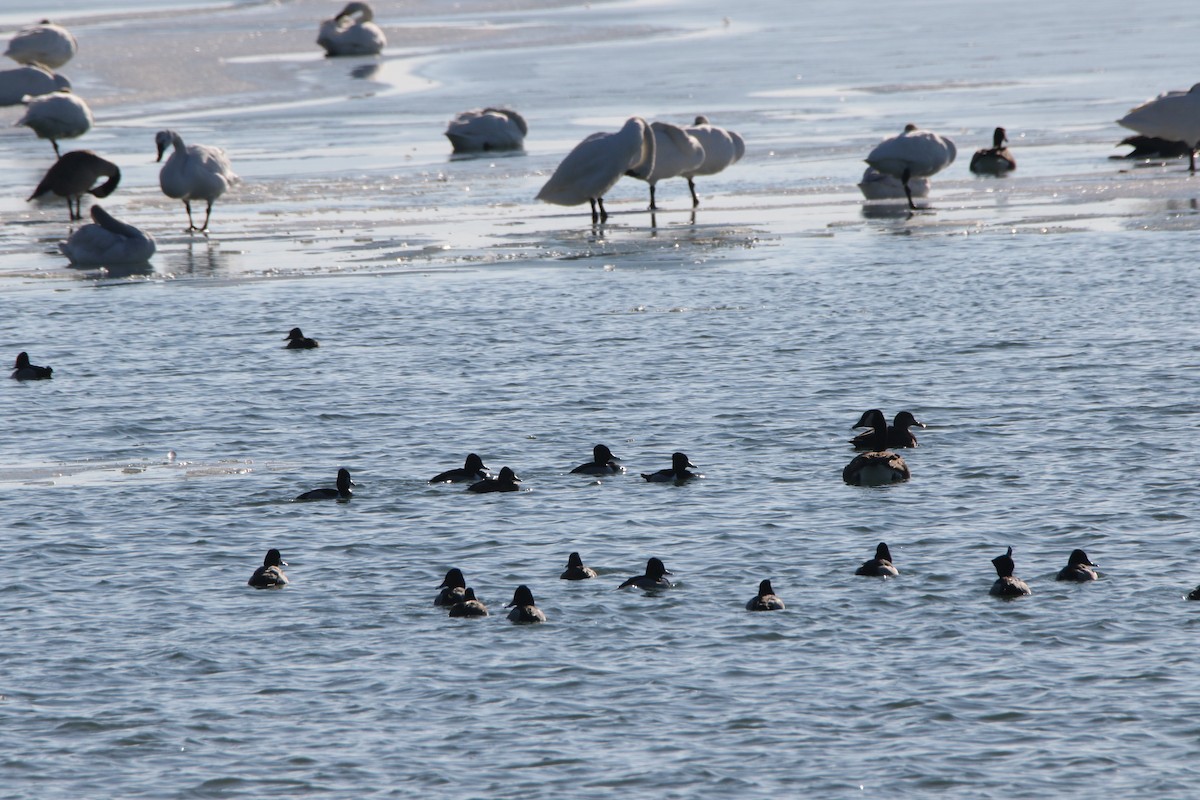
[722,148]
[107,241]
[877,186]
[596,164]
[344,35]
[912,154]
[487,129]
[675,152]
[74,174]
[35,80]
[1174,116]
[58,115]
[193,172]
[45,43]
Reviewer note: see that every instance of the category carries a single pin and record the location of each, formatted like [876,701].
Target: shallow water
[1043,325]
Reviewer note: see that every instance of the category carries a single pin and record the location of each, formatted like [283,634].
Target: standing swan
[45,43]
[58,115]
[994,160]
[74,175]
[107,241]
[193,172]
[722,148]
[597,163]
[675,152]
[346,36]
[912,154]
[1174,116]
[479,131]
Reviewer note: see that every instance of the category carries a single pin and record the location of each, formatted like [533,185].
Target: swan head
[362,9]
[164,139]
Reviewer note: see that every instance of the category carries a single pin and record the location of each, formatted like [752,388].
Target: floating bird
[1174,116]
[107,241]
[58,115]
[722,148]
[468,606]
[654,578]
[342,492]
[45,43]
[994,160]
[471,470]
[24,371]
[31,81]
[478,131]
[876,468]
[576,571]
[269,575]
[296,340]
[346,35]
[524,609]
[912,154]
[1078,568]
[678,471]
[1007,584]
[1152,147]
[880,566]
[73,175]
[597,163]
[506,481]
[765,600]
[877,186]
[896,435]
[603,463]
[193,172]
[675,152]
[453,587]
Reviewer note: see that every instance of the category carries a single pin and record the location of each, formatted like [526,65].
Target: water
[1044,325]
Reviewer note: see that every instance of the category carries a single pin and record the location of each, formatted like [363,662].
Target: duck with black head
[453,587]
[677,474]
[473,469]
[1007,584]
[506,481]
[897,435]
[270,574]
[468,606]
[880,566]
[765,600]
[296,340]
[1079,568]
[524,609]
[576,571]
[341,493]
[603,463]
[25,371]
[655,577]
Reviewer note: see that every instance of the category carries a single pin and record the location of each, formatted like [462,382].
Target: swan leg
[603,213]
[75,211]
[191,225]
[207,214]
[692,189]
[1192,160]
[595,216]
[55,145]
[904,176]
[653,207]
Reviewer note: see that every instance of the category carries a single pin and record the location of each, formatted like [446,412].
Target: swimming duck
[1194,594]
[675,152]
[912,154]
[596,164]
[896,435]
[468,606]
[1078,568]
[722,148]
[994,160]
[876,468]
[678,471]
[524,610]
[46,44]
[73,175]
[57,115]
[880,566]
[296,340]
[472,470]
[31,81]
[655,577]
[1007,584]
[765,600]
[269,575]
[1174,116]
[24,371]
[345,35]
[603,463]
[453,587]
[342,492]
[576,571]
[506,481]
[193,172]
[483,130]
[107,241]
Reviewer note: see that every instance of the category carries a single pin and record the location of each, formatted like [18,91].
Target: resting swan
[32,81]
[45,43]
[596,164]
[478,131]
[107,241]
[912,154]
[346,36]
[58,115]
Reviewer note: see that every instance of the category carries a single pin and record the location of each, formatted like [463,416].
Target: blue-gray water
[1044,325]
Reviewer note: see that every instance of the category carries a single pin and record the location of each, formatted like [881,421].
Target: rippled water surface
[1044,325]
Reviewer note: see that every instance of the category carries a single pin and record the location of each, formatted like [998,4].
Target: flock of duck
[899,167]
